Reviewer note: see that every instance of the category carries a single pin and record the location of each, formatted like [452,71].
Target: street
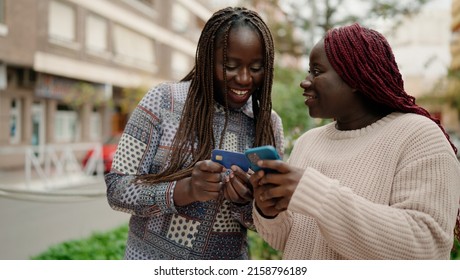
[29,227]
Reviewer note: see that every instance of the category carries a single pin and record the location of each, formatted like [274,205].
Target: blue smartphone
[261,153]
[229,158]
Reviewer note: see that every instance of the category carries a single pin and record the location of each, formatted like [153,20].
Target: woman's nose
[244,76]
[305,84]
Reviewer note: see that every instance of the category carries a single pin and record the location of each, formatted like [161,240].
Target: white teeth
[240,92]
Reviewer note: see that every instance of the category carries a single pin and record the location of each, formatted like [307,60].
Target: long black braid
[196,124]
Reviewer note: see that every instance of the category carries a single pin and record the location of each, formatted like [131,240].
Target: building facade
[66,65]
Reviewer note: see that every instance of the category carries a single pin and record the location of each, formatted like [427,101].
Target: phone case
[229,158]
[261,153]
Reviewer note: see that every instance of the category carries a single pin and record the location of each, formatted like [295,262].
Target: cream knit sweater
[387,191]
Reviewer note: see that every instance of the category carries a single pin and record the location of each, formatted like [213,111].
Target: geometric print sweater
[158,229]
[386,191]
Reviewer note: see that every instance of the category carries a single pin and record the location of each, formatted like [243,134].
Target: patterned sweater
[158,229]
[387,191]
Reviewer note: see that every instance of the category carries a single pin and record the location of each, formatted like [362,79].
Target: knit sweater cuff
[281,222]
[311,192]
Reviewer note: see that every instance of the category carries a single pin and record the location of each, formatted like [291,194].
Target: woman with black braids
[382,181]
[181,205]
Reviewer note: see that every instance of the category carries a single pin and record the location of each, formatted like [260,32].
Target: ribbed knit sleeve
[387,191]
[274,231]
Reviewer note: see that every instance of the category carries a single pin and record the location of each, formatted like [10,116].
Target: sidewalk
[17,179]
[40,214]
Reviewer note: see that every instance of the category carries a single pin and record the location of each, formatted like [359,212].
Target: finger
[282,204]
[255,179]
[270,192]
[266,206]
[238,172]
[208,187]
[277,165]
[209,166]
[232,195]
[242,188]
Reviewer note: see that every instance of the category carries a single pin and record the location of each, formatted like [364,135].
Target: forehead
[240,33]
[244,35]
[318,54]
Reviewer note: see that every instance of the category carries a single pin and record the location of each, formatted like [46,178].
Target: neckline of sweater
[334,133]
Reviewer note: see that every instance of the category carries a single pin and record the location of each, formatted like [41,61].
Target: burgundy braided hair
[375,73]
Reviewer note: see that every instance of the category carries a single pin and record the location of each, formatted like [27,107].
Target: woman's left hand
[237,188]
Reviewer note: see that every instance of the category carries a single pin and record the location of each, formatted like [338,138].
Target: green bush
[455,254]
[99,246]
[260,250]
[111,246]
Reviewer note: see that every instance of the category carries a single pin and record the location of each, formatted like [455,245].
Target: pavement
[37,211]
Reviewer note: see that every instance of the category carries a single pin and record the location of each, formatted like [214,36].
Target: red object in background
[109,147]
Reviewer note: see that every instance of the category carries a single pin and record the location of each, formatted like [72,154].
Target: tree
[296,25]
[312,18]
[130,99]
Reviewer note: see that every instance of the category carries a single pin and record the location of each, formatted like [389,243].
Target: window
[132,48]
[180,19]
[15,121]
[66,128]
[180,65]
[62,22]
[96,33]
[3,27]
[2,11]
[95,126]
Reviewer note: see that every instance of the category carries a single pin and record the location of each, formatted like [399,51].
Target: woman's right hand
[203,185]
[273,191]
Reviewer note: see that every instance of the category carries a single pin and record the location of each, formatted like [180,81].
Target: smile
[239,92]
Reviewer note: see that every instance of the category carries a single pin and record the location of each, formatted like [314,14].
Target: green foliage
[83,93]
[288,102]
[260,250]
[110,245]
[130,98]
[455,254]
[99,246]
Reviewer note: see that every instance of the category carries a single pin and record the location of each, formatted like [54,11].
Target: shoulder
[419,135]
[415,126]
[165,93]
[275,117]
[168,88]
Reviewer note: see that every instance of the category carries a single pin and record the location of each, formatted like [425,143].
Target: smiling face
[327,95]
[244,67]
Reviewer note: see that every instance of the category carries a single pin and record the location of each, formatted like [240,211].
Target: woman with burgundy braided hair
[182,204]
[382,181]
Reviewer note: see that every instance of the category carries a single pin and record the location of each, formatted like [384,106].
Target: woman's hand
[237,188]
[203,185]
[273,191]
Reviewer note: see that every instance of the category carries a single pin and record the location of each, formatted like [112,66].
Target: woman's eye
[257,68]
[314,72]
[230,67]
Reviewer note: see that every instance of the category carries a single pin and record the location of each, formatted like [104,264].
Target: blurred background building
[455,67]
[72,70]
[65,64]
